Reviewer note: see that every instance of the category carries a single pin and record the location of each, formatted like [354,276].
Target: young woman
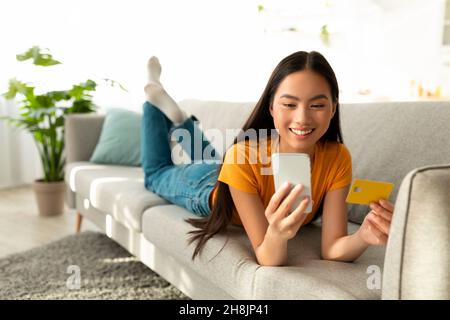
[301,105]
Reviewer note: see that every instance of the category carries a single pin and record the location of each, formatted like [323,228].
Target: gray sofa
[405,143]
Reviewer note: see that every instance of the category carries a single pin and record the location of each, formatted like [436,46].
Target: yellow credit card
[367,191]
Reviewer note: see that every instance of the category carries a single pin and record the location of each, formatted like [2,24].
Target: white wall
[19,160]
[219,50]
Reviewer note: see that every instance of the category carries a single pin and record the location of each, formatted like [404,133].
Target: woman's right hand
[281,223]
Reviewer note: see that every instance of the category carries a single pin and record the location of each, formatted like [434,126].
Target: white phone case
[295,168]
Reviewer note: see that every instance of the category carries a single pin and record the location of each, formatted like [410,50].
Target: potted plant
[43,115]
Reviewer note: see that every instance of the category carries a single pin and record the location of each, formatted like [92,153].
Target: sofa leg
[78,222]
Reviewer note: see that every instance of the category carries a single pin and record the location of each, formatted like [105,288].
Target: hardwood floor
[21,227]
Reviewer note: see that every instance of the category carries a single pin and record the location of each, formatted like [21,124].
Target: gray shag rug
[84,266]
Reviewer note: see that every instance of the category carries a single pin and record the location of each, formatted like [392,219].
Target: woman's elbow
[267,262]
[332,257]
[327,256]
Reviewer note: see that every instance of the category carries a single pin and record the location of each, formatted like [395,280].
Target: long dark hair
[260,118]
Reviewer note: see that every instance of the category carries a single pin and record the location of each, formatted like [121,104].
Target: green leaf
[27,54]
[45,61]
[59,95]
[89,85]
[325,35]
[76,92]
[44,101]
[38,136]
[81,106]
[114,83]
[59,122]
[41,57]
[17,87]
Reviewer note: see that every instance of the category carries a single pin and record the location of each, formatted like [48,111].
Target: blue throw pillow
[120,139]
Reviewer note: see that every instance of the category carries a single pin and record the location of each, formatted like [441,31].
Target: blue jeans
[187,185]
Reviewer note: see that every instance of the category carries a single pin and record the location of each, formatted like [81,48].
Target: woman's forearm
[272,251]
[347,248]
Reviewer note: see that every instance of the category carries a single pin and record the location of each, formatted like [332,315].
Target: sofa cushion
[116,190]
[216,117]
[237,273]
[120,139]
[386,141]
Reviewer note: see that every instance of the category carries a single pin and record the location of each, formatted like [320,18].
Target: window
[445,48]
[446,33]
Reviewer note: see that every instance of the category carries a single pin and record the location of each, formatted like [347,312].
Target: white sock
[156,94]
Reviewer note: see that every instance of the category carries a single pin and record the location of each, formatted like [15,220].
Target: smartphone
[367,191]
[294,168]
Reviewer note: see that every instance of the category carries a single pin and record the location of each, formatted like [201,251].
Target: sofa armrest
[417,261]
[82,132]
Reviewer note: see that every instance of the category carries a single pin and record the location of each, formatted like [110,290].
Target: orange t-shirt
[331,169]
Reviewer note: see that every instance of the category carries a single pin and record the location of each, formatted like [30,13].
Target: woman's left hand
[375,228]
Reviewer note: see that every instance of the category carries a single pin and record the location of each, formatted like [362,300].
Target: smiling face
[302,109]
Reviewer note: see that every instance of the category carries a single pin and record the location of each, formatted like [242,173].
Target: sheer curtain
[19,159]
